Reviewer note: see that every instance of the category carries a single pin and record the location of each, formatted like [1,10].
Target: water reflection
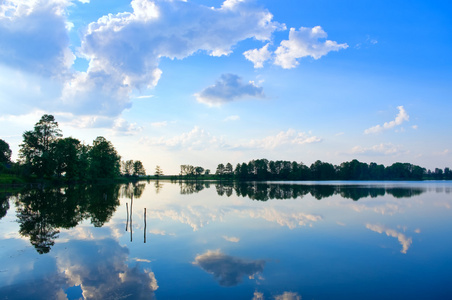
[402,238]
[191,187]
[158,186]
[102,271]
[42,212]
[264,192]
[90,270]
[130,191]
[4,204]
[288,296]
[266,249]
[228,270]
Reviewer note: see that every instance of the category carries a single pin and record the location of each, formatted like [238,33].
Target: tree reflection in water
[265,191]
[191,187]
[42,212]
[4,204]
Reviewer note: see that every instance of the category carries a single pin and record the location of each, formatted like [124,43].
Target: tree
[228,171]
[127,167]
[220,170]
[187,170]
[158,171]
[354,170]
[199,170]
[322,171]
[138,169]
[37,148]
[260,168]
[104,160]
[5,152]
[243,171]
[67,155]
[438,174]
[376,172]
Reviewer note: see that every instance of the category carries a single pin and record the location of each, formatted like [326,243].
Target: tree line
[263,169]
[44,153]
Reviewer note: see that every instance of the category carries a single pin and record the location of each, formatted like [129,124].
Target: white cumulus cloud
[380,149]
[258,56]
[284,138]
[302,43]
[196,139]
[228,88]
[231,239]
[401,117]
[123,127]
[200,139]
[123,50]
[34,36]
[118,126]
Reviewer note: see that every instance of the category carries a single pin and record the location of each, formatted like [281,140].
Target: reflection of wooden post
[145,225]
[131,202]
[127,210]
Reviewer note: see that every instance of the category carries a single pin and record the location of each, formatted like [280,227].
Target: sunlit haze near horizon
[204,82]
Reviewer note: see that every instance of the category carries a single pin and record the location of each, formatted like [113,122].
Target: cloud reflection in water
[403,239]
[228,270]
[99,268]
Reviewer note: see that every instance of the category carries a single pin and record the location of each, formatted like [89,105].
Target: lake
[176,240]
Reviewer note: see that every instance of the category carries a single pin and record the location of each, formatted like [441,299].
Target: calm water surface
[163,240]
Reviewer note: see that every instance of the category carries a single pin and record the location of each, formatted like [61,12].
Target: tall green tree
[322,171]
[220,170]
[68,157]
[138,169]
[5,152]
[243,171]
[36,151]
[228,171]
[104,160]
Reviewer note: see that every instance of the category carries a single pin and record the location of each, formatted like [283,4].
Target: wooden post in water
[127,209]
[145,225]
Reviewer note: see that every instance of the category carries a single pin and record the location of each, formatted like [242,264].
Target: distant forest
[263,169]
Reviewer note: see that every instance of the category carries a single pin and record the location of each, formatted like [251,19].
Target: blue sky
[204,82]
